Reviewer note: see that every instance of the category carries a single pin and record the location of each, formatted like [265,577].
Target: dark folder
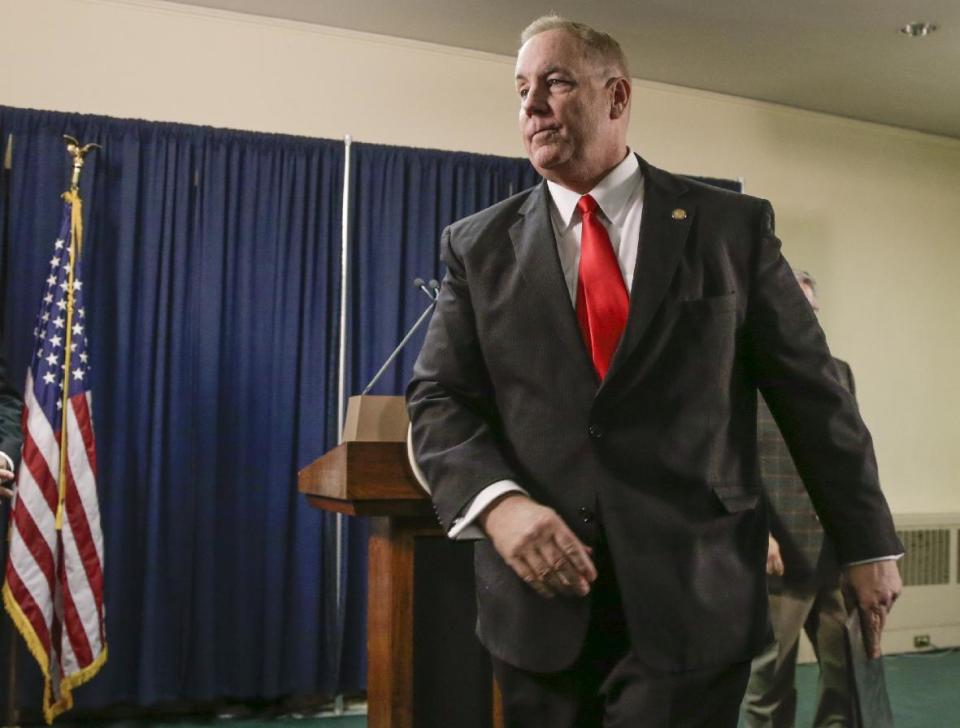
[869,682]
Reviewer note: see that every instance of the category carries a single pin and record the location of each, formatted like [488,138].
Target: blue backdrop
[212,282]
[212,287]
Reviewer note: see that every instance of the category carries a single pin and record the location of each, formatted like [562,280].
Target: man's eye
[557,82]
[523,93]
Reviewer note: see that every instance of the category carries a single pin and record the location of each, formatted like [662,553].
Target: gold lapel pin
[679,214]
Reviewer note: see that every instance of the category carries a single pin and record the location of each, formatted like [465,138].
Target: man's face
[565,109]
[810,294]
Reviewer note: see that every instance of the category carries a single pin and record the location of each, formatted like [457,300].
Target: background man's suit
[662,454]
[10,406]
[806,597]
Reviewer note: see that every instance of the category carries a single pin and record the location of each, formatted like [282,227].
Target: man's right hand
[539,546]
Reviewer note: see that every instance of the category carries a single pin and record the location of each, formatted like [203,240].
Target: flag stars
[59,245]
[58,322]
[55,261]
[55,341]
[78,374]
[48,378]
[52,281]
[83,357]
[61,304]
[77,329]
[52,360]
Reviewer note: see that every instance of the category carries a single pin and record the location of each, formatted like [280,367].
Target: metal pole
[13,716]
[342,373]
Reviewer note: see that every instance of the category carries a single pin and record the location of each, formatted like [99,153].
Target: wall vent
[927,560]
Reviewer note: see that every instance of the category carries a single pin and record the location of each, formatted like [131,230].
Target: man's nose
[534,102]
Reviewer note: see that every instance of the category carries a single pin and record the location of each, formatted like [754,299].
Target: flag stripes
[54,584]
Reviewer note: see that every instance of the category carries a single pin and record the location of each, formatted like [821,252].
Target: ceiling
[843,57]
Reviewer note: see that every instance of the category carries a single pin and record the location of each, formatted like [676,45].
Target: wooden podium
[424,665]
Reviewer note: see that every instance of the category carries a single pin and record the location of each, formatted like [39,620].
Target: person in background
[10,435]
[804,585]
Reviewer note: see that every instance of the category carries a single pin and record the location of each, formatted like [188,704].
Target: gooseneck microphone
[432,290]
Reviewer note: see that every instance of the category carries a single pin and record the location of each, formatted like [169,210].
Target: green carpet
[924,691]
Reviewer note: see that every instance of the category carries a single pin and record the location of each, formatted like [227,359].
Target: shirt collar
[612,193]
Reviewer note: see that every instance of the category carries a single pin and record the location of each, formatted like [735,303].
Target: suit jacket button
[586,514]
[595,431]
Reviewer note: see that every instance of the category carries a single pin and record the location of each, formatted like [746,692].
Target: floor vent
[927,560]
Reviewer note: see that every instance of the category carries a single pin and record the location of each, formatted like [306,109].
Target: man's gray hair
[602,46]
[803,277]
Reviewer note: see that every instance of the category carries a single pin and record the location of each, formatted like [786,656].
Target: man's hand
[774,560]
[539,546]
[874,587]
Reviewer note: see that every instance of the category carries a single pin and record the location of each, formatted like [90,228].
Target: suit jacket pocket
[735,497]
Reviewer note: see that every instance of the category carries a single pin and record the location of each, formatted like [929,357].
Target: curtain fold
[400,201]
[212,281]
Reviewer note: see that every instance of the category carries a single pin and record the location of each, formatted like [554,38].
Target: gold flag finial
[78,152]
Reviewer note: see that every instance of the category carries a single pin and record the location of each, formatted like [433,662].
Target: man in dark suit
[804,585]
[10,406]
[585,403]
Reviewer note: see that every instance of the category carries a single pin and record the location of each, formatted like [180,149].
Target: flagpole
[76,244]
[13,715]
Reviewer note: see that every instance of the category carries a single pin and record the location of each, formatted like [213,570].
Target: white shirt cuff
[895,557]
[465,527]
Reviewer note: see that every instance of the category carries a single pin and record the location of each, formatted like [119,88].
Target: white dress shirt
[619,198]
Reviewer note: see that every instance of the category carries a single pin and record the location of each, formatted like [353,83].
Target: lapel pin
[679,214]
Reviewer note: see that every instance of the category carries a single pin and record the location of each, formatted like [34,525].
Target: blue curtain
[212,282]
[400,201]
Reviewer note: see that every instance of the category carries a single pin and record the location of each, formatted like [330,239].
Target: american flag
[53,587]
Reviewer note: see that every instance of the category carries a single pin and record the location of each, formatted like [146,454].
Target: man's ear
[620,91]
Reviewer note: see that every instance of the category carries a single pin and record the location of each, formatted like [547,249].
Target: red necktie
[602,297]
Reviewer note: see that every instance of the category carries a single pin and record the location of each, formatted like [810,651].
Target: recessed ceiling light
[918,30]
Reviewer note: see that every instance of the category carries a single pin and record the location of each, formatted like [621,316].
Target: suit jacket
[661,457]
[809,557]
[10,408]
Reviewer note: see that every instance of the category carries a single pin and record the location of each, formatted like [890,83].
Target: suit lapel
[662,238]
[536,251]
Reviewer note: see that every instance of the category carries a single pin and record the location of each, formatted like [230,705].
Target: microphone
[432,290]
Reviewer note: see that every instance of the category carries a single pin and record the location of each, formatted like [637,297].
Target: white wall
[868,209]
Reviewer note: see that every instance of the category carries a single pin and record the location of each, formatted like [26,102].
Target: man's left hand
[874,587]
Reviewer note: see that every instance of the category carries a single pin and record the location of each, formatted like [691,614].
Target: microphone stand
[433,292]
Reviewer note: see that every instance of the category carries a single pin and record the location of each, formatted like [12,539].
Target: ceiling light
[918,30]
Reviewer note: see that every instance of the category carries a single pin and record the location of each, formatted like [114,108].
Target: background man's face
[564,105]
[810,294]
